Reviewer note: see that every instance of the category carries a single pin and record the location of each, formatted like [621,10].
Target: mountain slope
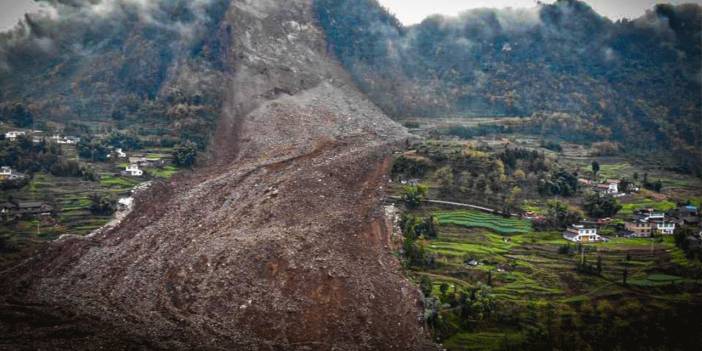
[279,244]
[639,80]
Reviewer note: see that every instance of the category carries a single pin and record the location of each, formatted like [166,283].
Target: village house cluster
[647,222]
[13,209]
[611,187]
[38,136]
[7,173]
[138,163]
[644,223]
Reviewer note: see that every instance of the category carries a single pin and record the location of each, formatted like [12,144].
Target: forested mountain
[633,81]
[134,63]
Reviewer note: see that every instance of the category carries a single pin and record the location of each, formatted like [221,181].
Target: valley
[315,175]
[499,283]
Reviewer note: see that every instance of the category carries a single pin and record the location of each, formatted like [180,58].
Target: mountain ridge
[639,79]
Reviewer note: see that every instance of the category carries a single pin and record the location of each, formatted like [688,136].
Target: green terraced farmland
[475,219]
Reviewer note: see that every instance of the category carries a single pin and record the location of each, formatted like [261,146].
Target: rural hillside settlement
[318,175]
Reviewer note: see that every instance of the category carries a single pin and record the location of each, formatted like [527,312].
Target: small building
[24,208]
[585,182]
[13,135]
[120,153]
[125,203]
[580,233]
[610,187]
[7,173]
[639,228]
[133,170]
[687,215]
[143,161]
[665,227]
[647,222]
[68,140]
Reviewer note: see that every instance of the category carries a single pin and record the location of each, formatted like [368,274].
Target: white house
[580,233]
[613,186]
[665,228]
[134,171]
[65,140]
[12,136]
[8,173]
[5,172]
[120,153]
[647,222]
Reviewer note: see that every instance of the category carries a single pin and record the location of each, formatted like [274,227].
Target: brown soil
[279,244]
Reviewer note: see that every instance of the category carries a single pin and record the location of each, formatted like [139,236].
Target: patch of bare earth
[280,244]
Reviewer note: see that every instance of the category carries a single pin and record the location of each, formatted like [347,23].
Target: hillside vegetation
[633,81]
[155,67]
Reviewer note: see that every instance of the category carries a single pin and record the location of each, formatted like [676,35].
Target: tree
[92,149]
[18,114]
[185,154]
[102,205]
[512,200]
[478,304]
[595,168]
[558,216]
[489,278]
[425,285]
[124,141]
[444,176]
[601,206]
[443,288]
[625,275]
[413,195]
[560,182]
[599,264]
[427,227]
[625,185]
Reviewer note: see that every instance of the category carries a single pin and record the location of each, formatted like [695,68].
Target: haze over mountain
[636,82]
[413,12]
[279,241]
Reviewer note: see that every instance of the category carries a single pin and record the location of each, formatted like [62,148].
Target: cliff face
[279,244]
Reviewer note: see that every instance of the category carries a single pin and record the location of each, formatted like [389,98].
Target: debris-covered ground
[281,243]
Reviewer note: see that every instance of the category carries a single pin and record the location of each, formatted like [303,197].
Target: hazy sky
[413,11]
[409,11]
[12,10]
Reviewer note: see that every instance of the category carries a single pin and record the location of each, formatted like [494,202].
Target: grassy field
[70,197]
[526,269]
[475,219]
[631,205]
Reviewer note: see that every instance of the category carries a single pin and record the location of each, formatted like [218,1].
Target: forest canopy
[640,79]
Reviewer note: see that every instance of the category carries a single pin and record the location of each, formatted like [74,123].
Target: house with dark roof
[19,209]
[686,215]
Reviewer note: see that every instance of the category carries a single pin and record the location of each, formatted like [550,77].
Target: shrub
[185,154]
[413,195]
[103,205]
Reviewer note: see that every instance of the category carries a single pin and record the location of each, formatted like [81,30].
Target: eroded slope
[278,245]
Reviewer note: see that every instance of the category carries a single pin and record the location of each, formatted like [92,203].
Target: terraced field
[475,219]
[527,271]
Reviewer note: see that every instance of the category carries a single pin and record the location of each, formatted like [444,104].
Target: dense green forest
[633,81]
[158,69]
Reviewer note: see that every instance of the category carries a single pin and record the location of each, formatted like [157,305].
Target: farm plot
[475,219]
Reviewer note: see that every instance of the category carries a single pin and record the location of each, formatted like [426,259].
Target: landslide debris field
[279,244]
